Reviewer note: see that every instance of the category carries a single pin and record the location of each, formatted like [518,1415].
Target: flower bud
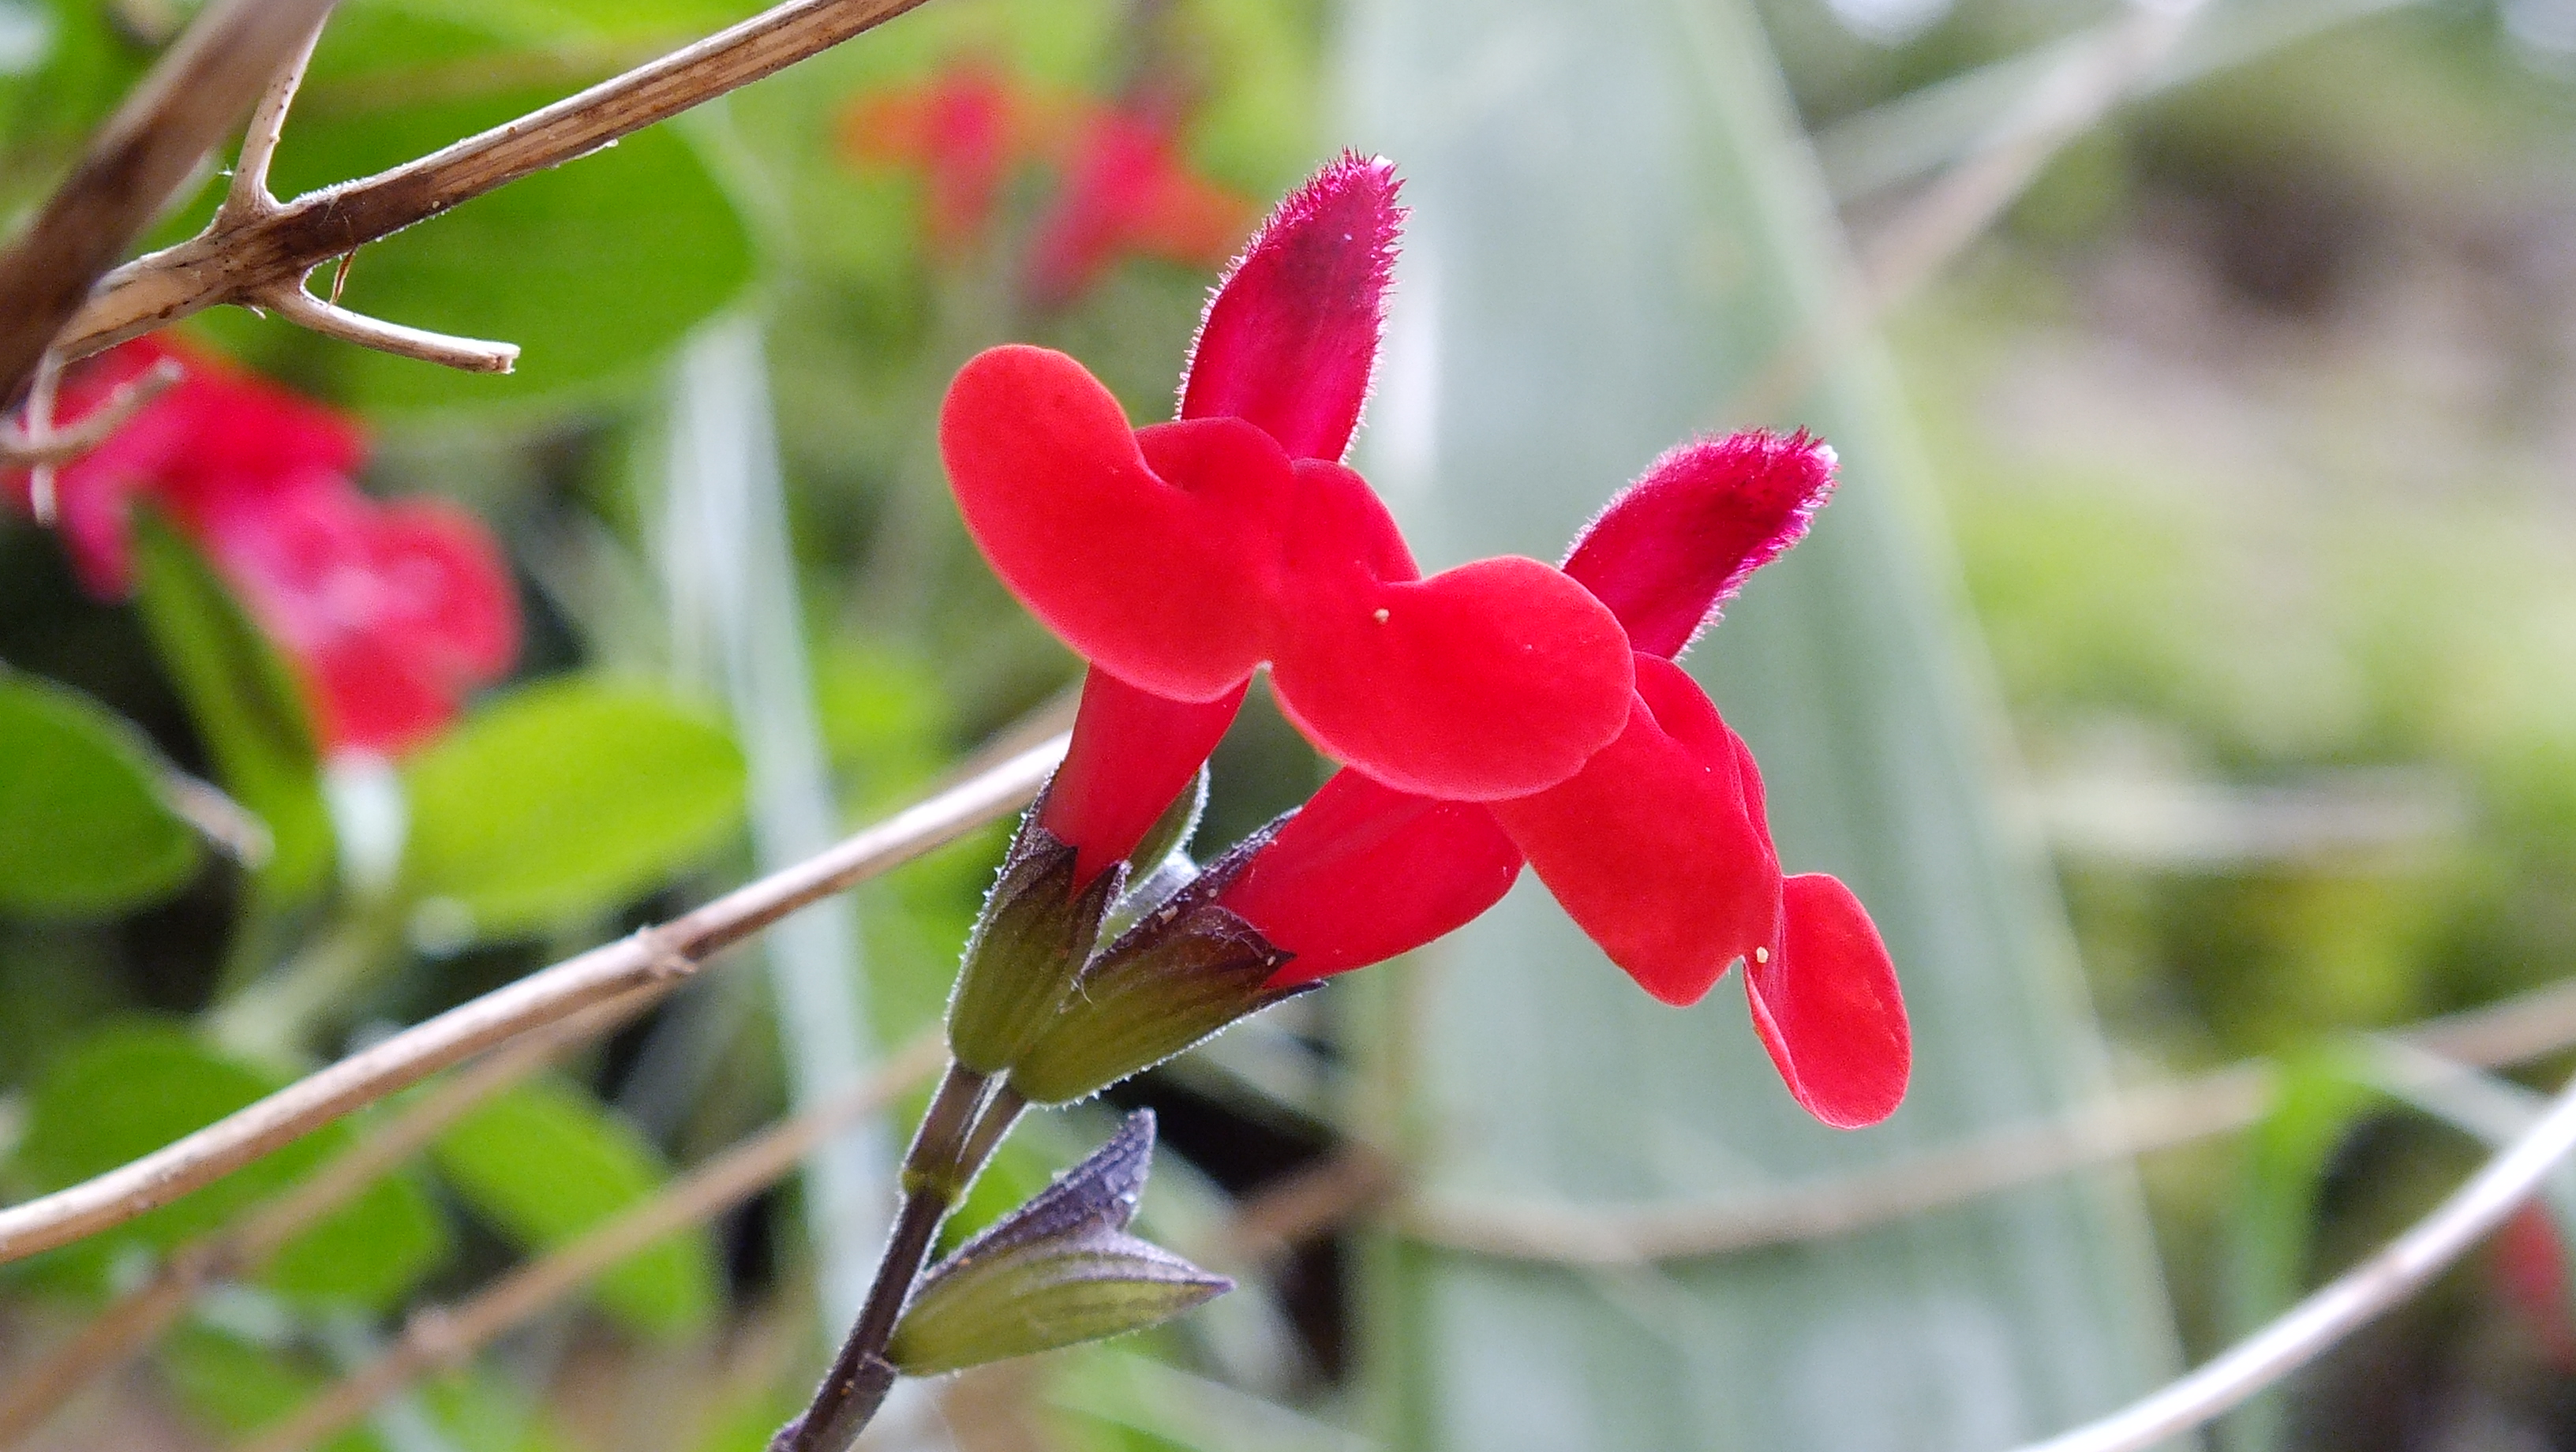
[1059,1270]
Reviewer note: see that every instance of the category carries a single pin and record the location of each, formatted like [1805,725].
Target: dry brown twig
[259,251]
[652,959]
[441,1337]
[141,1315]
[248,202]
[132,168]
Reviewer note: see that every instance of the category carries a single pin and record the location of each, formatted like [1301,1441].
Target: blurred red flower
[1124,187]
[391,613]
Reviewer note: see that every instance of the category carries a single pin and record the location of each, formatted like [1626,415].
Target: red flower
[391,612]
[1125,188]
[966,128]
[1659,847]
[1128,191]
[1180,557]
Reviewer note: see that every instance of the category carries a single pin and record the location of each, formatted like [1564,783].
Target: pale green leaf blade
[1540,356]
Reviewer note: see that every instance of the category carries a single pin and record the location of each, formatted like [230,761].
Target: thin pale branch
[331,320]
[42,445]
[240,263]
[138,160]
[441,1337]
[2344,1305]
[232,828]
[248,197]
[2513,1031]
[1964,201]
[649,959]
[138,1317]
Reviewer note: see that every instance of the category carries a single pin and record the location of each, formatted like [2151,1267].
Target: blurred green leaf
[244,700]
[2317,1098]
[235,1387]
[232,1388]
[139,1084]
[62,66]
[678,21]
[369,1253]
[131,1088]
[84,830]
[565,799]
[545,1162]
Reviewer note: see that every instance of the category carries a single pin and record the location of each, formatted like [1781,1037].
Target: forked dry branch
[261,255]
[133,167]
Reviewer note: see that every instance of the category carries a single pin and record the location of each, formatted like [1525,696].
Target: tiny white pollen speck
[1761,955]
[1378,615]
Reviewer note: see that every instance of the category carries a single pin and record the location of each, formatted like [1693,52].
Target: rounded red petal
[1157,577]
[1362,873]
[1827,1007]
[1656,848]
[1680,542]
[1132,753]
[1291,334]
[1492,680]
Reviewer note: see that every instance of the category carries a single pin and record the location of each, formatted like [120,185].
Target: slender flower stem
[934,1160]
[958,1134]
[1000,1113]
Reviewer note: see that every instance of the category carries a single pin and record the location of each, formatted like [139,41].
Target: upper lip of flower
[1182,556]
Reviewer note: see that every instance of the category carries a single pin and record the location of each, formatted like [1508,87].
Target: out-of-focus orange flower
[1124,187]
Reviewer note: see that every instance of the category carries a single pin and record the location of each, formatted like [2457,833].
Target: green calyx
[1028,947]
[1187,970]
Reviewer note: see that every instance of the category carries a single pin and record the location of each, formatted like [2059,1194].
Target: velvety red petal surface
[1363,873]
[1132,753]
[1652,849]
[1291,335]
[1491,680]
[1679,542]
[1827,1007]
[1158,584]
[1179,557]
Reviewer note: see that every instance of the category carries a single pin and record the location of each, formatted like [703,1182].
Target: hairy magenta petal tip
[1676,545]
[1290,337]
